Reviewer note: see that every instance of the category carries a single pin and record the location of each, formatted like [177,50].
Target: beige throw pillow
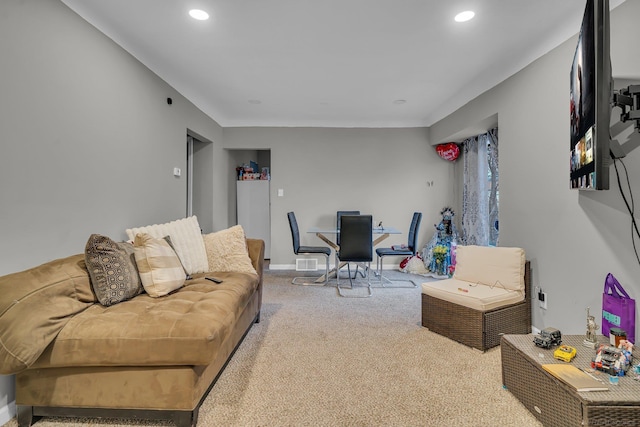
[491,266]
[112,269]
[160,269]
[227,251]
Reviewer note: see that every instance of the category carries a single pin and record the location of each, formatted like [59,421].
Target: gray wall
[572,238]
[383,172]
[87,142]
[88,145]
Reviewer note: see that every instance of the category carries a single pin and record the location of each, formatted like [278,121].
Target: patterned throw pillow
[112,269]
[227,251]
[160,269]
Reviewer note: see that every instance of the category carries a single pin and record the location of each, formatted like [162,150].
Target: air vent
[306,264]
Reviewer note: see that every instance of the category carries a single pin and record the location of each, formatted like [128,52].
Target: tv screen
[590,101]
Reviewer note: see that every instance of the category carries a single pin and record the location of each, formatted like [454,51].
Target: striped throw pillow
[160,269]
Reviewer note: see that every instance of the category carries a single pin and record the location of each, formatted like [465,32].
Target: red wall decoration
[448,151]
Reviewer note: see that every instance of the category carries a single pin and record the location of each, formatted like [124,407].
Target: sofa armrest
[256,253]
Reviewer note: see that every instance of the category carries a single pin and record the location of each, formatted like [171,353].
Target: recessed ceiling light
[400,101]
[198,14]
[465,16]
[255,101]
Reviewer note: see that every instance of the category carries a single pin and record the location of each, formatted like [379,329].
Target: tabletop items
[618,308]
[614,359]
[590,338]
[251,171]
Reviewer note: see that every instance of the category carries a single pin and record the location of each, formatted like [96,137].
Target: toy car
[548,337]
[565,353]
[612,360]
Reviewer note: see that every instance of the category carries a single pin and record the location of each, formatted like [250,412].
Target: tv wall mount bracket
[628,100]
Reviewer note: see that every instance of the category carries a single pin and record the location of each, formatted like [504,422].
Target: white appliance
[254,211]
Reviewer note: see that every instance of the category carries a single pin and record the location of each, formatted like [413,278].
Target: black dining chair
[339,215]
[410,249]
[356,245]
[307,250]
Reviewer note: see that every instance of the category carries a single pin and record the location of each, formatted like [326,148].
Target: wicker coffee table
[555,403]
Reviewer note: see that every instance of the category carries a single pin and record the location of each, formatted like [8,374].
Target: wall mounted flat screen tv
[590,101]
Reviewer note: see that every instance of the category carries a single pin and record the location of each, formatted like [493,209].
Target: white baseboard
[7,412]
[282,266]
[321,266]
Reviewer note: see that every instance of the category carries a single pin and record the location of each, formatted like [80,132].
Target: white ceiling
[335,63]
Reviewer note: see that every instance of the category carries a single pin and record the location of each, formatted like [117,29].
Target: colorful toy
[548,337]
[612,360]
[590,338]
[439,254]
[565,353]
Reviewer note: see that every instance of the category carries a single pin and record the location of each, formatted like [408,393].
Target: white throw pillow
[186,237]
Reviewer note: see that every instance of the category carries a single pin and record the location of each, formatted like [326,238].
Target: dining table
[379,234]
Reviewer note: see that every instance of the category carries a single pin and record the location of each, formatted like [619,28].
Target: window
[480,198]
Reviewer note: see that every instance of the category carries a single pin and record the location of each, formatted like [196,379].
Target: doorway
[252,203]
[200,180]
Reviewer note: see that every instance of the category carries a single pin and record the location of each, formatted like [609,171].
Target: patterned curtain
[492,150]
[480,194]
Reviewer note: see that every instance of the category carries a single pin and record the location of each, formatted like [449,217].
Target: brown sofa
[152,358]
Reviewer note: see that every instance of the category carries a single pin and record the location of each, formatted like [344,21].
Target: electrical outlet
[542,299]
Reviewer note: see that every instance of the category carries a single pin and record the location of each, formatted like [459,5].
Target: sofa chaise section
[147,358]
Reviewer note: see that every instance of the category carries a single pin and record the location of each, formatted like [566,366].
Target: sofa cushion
[472,295]
[160,268]
[227,251]
[186,237]
[492,266]
[36,304]
[112,268]
[187,327]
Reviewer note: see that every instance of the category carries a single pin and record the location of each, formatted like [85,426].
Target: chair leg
[326,271]
[310,281]
[306,281]
[384,280]
[338,269]
[368,268]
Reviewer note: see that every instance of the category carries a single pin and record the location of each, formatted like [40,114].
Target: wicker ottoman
[555,403]
[478,329]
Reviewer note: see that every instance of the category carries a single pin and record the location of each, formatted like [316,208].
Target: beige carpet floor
[317,359]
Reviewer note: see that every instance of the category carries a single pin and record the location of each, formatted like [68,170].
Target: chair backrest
[413,232]
[295,232]
[357,238]
[338,216]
